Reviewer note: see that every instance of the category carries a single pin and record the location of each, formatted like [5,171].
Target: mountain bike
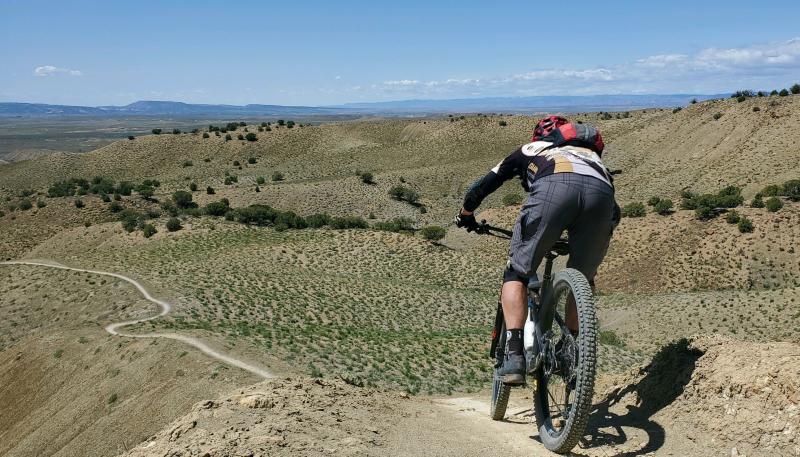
[561,365]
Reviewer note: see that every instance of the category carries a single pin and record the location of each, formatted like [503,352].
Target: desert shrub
[773,204]
[773,93]
[264,124]
[205,135]
[105,198]
[732,217]
[193,186]
[693,101]
[251,137]
[318,220]
[2,213]
[115,207]
[228,137]
[218,208]
[240,137]
[151,182]
[757,201]
[124,188]
[236,163]
[404,194]
[783,93]
[174,224]
[433,232]
[635,209]
[117,197]
[130,219]
[609,337]
[290,220]
[149,230]
[502,123]
[512,199]
[260,180]
[258,189]
[348,222]
[707,206]
[717,116]
[256,214]
[64,188]
[281,122]
[795,89]
[277,176]
[397,224]
[791,190]
[756,109]
[745,225]
[176,131]
[79,203]
[771,190]
[101,185]
[183,199]
[145,191]
[228,181]
[210,190]
[705,213]
[153,213]
[366,177]
[187,163]
[289,124]
[252,160]
[653,201]
[156,131]
[676,110]
[131,137]
[663,207]
[40,203]
[24,204]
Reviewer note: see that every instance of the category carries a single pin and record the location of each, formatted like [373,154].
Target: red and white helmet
[547,125]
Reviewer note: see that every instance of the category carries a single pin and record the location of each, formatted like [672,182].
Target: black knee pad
[510,275]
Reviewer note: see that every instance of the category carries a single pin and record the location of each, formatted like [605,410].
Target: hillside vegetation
[393,296]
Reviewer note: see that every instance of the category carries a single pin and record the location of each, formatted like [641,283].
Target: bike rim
[557,374]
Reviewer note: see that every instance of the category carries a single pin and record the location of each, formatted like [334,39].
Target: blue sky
[315,52]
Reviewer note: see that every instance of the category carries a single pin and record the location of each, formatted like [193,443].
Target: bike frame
[542,314]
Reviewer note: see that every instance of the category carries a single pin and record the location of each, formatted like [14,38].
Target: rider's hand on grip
[466,221]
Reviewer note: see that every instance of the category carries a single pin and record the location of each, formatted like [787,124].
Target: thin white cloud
[49,70]
[757,66]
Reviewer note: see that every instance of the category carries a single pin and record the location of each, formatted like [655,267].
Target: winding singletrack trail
[165,307]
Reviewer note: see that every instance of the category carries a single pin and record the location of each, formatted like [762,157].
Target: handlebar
[482,228]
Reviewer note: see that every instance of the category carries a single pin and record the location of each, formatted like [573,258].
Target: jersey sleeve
[511,166]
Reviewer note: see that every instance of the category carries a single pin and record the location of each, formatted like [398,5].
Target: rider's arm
[511,166]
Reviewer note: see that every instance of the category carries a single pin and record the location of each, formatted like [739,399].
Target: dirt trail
[165,308]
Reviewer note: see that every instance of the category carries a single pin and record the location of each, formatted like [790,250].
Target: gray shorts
[582,205]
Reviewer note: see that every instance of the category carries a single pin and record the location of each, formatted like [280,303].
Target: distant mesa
[555,103]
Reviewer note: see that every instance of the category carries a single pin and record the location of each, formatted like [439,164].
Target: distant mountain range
[567,103]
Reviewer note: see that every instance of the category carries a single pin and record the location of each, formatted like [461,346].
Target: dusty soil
[710,396]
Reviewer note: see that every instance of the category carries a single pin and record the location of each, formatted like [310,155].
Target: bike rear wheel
[500,391]
[565,380]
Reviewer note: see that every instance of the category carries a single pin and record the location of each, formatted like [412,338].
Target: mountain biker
[569,189]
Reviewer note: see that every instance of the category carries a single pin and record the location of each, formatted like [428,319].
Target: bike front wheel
[500,391]
[565,379]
